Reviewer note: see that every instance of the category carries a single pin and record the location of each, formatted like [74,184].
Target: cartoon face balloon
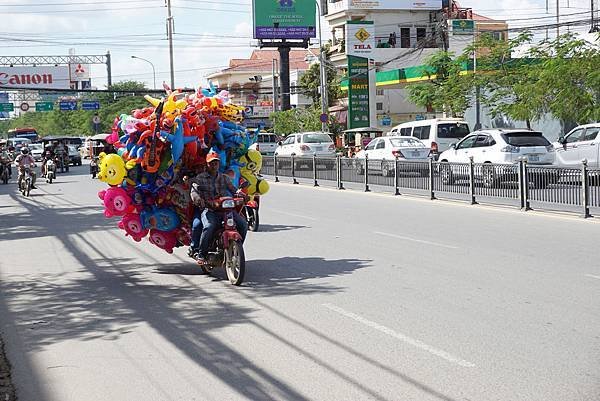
[112,169]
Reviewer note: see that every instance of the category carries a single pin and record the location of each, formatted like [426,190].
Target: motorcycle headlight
[228,204]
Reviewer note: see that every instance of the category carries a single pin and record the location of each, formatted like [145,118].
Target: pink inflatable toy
[163,239]
[132,225]
[116,202]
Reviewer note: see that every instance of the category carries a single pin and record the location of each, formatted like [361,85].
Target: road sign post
[44,106]
[68,105]
[7,107]
[90,105]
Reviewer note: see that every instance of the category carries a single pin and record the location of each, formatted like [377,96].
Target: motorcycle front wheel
[27,188]
[235,262]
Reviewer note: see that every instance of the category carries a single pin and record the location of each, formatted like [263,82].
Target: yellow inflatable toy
[249,172]
[112,168]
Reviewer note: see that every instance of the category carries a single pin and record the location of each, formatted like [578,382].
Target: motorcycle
[94,166]
[4,175]
[250,211]
[26,180]
[227,249]
[50,170]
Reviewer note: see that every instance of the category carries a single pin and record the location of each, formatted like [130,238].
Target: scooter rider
[48,155]
[5,160]
[206,187]
[21,161]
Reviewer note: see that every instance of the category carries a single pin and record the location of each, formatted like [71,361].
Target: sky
[207,32]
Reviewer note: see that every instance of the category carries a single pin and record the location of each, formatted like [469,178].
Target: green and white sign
[463,27]
[7,107]
[284,19]
[358,92]
[44,106]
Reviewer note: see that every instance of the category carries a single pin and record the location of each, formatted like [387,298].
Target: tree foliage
[560,77]
[311,83]
[296,120]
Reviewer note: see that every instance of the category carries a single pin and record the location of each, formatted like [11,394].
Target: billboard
[395,4]
[79,72]
[360,38]
[35,77]
[284,19]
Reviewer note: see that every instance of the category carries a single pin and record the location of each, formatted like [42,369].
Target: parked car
[304,145]
[74,156]
[497,151]
[581,143]
[383,151]
[437,133]
[266,143]
[36,149]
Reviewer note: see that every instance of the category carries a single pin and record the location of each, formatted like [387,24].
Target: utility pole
[322,75]
[170,26]
[108,69]
[274,85]
[284,76]
[557,19]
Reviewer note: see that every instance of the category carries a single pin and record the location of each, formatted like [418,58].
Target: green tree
[310,83]
[296,120]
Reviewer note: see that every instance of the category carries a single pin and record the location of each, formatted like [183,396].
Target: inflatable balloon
[132,225]
[117,201]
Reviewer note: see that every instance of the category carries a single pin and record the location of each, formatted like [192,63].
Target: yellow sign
[362,34]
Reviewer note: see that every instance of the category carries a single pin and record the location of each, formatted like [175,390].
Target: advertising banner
[35,77]
[395,4]
[463,27]
[360,38]
[284,19]
[358,92]
[79,72]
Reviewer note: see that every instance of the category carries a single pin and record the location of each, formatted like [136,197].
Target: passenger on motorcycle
[48,154]
[206,187]
[21,161]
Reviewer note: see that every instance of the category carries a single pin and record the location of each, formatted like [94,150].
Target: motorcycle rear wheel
[252,218]
[50,178]
[235,262]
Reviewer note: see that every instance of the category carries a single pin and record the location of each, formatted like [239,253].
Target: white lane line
[592,276]
[415,240]
[295,215]
[402,337]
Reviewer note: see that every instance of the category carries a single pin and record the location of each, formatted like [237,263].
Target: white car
[304,145]
[36,150]
[497,151]
[581,143]
[266,144]
[384,150]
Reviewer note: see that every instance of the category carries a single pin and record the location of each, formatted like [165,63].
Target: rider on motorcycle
[21,161]
[5,160]
[48,155]
[206,187]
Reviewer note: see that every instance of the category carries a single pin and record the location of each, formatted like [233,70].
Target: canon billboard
[35,77]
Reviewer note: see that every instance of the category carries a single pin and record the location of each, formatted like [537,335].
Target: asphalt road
[348,296]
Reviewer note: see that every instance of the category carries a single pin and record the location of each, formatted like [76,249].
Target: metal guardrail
[520,183]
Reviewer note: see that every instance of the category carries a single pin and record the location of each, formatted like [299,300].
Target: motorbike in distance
[26,180]
[94,166]
[50,170]
[226,248]
[5,171]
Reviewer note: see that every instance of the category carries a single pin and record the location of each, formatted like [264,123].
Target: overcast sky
[208,32]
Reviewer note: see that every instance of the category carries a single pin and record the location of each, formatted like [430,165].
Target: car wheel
[490,179]
[446,173]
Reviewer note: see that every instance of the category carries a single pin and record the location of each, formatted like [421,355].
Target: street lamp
[323,73]
[153,71]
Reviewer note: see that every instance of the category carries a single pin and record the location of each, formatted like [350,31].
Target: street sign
[386,121]
[68,105]
[44,106]
[7,107]
[90,105]
[323,117]
[96,119]
[24,106]
[419,117]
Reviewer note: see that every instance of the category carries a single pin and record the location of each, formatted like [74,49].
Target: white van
[266,143]
[438,133]
[17,143]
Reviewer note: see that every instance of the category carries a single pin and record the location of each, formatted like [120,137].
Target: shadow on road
[113,295]
[275,228]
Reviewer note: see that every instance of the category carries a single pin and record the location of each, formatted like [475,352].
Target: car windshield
[453,130]
[525,139]
[35,146]
[316,138]
[403,142]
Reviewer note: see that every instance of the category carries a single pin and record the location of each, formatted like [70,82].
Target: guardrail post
[316,184]
[585,189]
[338,162]
[431,192]
[526,186]
[520,178]
[396,176]
[472,180]
[275,163]
[294,170]
[367,173]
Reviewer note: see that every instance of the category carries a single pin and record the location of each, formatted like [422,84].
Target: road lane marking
[402,337]
[295,215]
[415,240]
[592,276]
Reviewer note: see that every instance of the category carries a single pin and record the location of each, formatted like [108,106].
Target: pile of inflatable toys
[157,146]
